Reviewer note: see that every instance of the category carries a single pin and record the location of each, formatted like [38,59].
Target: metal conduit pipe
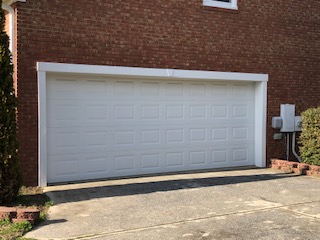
[288,145]
[294,147]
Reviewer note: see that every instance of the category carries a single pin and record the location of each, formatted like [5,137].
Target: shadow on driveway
[94,192]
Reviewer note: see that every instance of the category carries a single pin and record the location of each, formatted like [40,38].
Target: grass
[29,197]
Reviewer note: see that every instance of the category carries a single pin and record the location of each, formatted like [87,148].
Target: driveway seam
[301,213]
[282,207]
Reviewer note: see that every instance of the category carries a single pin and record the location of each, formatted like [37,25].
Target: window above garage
[229,4]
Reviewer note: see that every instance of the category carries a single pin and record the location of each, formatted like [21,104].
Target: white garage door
[107,127]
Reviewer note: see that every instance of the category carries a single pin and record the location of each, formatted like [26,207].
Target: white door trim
[260,97]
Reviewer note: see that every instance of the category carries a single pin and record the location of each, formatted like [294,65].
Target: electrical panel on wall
[287,122]
[287,112]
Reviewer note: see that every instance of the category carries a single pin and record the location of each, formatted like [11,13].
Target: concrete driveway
[238,204]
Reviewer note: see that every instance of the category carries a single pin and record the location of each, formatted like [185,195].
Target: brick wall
[280,38]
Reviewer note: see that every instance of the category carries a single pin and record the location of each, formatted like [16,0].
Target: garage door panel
[62,88]
[236,155]
[63,112]
[96,113]
[64,168]
[93,112]
[64,140]
[100,128]
[97,88]
[96,163]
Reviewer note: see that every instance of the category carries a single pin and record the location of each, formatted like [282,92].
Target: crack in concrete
[301,213]
[283,207]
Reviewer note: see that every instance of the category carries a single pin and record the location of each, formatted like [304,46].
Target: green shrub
[10,177]
[310,136]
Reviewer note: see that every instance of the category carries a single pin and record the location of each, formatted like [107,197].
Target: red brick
[313,173]
[303,166]
[287,169]
[28,213]
[169,34]
[298,171]
[8,212]
[314,168]
[293,164]
[275,166]
[309,173]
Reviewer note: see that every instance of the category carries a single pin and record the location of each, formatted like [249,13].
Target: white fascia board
[149,72]
[42,130]
[260,124]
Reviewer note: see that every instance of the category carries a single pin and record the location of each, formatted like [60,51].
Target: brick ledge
[295,167]
[16,215]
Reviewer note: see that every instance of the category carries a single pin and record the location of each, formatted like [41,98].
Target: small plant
[22,227]
[10,230]
[310,136]
[4,222]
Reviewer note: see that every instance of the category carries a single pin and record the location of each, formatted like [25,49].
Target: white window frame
[233,4]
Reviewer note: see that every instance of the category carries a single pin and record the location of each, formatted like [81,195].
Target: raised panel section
[175,135]
[219,156]
[94,89]
[150,89]
[124,138]
[197,135]
[63,140]
[240,90]
[66,112]
[175,159]
[198,112]
[62,89]
[240,154]
[64,167]
[198,90]
[240,133]
[95,164]
[150,112]
[66,140]
[219,90]
[174,89]
[220,134]
[175,112]
[124,88]
[150,161]
[124,112]
[198,157]
[240,111]
[150,136]
[96,113]
[96,138]
[123,163]
[220,111]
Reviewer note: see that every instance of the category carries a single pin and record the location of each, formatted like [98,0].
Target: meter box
[277,122]
[287,122]
[297,124]
[287,114]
